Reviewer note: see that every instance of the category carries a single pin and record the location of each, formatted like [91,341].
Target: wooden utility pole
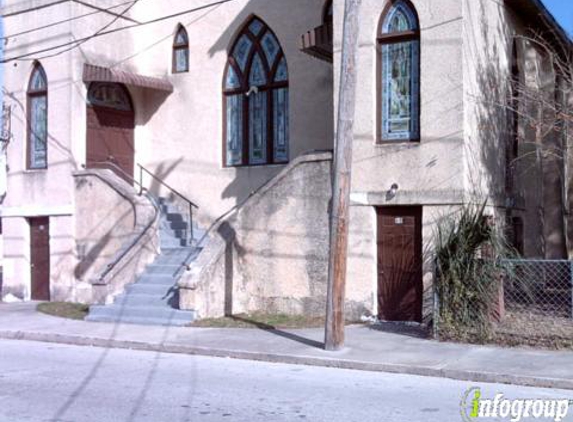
[342,166]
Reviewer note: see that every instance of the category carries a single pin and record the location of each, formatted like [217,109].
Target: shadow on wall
[247,179]
[53,142]
[536,175]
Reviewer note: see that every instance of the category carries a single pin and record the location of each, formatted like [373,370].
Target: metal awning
[318,42]
[94,73]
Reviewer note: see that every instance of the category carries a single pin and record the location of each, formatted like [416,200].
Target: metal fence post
[571,285]
[436,307]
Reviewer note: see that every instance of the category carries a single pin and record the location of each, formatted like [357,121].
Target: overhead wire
[100,33]
[50,25]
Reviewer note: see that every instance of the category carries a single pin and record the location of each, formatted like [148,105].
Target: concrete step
[117,310]
[174,321]
[158,279]
[161,269]
[173,234]
[175,225]
[159,290]
[172,242]
[174,218]
[177,256]
[137,299]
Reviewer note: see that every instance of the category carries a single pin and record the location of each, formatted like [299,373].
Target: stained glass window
[110,95]
[256,99]
[270,47]
[234,134]
[400,74]
[38,119]
[181,51]
[242,50]
[280,109]
[257,76]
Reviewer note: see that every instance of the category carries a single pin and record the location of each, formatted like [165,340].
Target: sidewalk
[366,348]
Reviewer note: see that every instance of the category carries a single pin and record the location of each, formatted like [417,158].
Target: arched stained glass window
[181,51]
[110,95]
[255,95]
[37,115]
[399,68]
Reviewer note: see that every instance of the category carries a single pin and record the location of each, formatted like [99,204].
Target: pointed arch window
[37,117]
[399,73]
[181,51]
[255,92]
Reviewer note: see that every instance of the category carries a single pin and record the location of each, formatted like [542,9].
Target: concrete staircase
[154,298]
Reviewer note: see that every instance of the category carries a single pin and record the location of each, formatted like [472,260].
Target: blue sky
[562,10]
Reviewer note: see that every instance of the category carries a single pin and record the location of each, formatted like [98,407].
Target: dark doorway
[40,257]
[399,242]
[110,126]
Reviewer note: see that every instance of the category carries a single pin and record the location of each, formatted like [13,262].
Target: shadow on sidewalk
[280,333]
[405,329]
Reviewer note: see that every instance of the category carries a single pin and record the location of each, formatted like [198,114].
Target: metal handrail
[126,249]
[190,203]
[157,178]
[114,167]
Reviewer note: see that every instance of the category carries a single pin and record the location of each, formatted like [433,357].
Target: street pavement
[42,382]
[367,348]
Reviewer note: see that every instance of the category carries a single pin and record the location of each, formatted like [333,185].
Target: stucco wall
[177,136]
[428,173]
[491,31]
[117,241]
[110,223]
[272,255]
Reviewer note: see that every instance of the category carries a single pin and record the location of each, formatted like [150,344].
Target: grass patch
[262,321]
[64,309]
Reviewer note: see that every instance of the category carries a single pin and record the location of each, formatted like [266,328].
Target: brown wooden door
[110,137]
[400,263]
[40,257]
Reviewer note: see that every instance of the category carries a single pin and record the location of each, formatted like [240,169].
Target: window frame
[30,95]
[269,88]
[178,47]
[384,39]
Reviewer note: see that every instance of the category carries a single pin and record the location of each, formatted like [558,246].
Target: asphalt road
[48,383]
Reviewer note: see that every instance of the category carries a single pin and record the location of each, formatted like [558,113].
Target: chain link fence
[536,303]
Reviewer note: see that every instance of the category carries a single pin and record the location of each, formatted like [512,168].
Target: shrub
[467,274]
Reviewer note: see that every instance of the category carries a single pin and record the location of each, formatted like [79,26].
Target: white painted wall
[178,136]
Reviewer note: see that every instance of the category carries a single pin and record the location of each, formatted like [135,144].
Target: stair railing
[126,248]
[190,205]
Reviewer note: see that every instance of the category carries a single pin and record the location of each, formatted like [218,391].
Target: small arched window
[180,51]
[399,73]
[255,91]
[37,117]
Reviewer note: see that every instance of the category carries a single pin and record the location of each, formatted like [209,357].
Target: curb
[454,374]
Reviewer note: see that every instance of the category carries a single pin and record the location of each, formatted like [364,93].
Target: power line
[77,43]
[28,31]
[111,31]
[33,9]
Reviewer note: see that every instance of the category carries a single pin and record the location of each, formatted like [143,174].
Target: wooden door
[400,263]
[110,138]
[40,257]
[110,127]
